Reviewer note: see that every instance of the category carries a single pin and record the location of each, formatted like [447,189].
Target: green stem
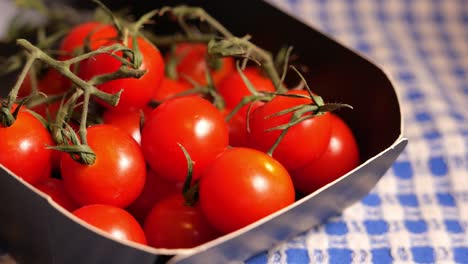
[84,117]
[64,68]
[14,92]
[200,14]
[242,47]
[164,41]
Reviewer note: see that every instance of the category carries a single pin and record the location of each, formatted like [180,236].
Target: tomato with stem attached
[190,121]
[136,92]
[302,143]
[193,63]
[76,39]
[24,148]
[170,88]
[117,222]
[242,186]
[233,88]
[118,174]
[341,156]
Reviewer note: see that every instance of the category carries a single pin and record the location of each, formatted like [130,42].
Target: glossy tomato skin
[137,92]
[24,148]
[56,190]
[237,129]
[113,220]
[242,186]
[302,144]
[173,224]
[75,39]
[193,64]
[116,178]
[170,88]
[156,188]
[341,156]
[190,121]
[233,88]
[128,121]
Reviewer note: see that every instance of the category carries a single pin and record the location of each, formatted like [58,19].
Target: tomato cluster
[169,170]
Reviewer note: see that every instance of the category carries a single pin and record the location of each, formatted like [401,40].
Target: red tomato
[128,121]
[75,39]
[242,186]
[116,178]
[237,129]
[173,224]
[303,143]
[170,88]
[136,92]
[26,87]
[190,121]
[233,88]
[55,189]
[24,149]
[193,64]
[341,156]
[51,83]
[156,188]
[113,220]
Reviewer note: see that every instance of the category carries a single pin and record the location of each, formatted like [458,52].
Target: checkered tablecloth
[418,212]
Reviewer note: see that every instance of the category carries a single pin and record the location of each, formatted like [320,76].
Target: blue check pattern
[418,212]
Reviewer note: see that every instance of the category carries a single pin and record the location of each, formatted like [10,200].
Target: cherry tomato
[242,186]
[193,63]
[302,144]
[237,129]
[190,121]
[341,156]
[137,92]
[156,188]
[51,83]
[55,189]
[24,148]
[170,88]
[75,39]
[118,175]
[117,222]
[233,88]
[128,121]
[173,224]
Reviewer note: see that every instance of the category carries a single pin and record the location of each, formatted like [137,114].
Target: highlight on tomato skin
[190,121]
[340,157]
[242,186]
[118,175]
[136,92]
[171,223]
[303,142]
[24,149]
[117,222]
[128,121]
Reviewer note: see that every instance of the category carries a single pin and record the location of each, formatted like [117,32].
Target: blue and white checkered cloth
[418,212]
